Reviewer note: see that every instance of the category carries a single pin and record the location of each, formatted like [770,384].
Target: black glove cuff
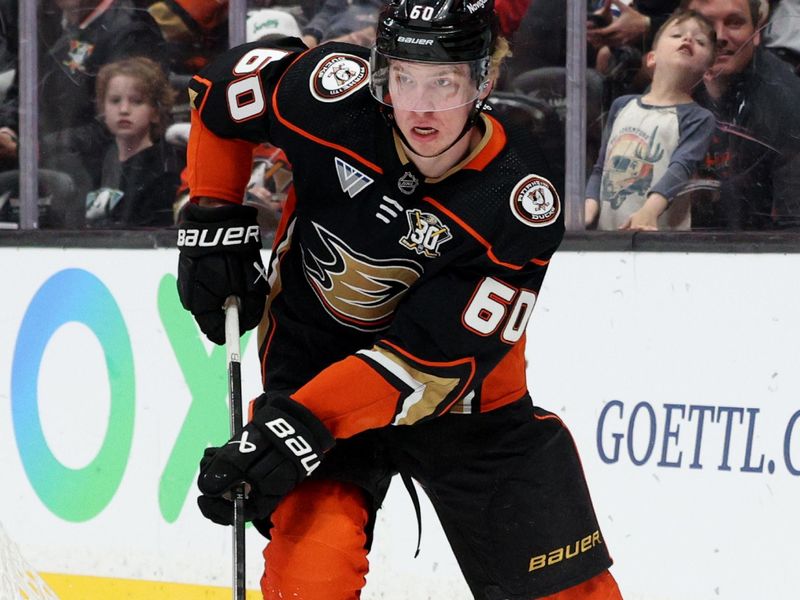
[295,432]
[206,230]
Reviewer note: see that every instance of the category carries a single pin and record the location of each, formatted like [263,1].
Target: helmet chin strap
[472,119]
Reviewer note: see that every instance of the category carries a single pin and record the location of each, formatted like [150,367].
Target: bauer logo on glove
[220,256]
[232,236]
[296,444]
[279,448]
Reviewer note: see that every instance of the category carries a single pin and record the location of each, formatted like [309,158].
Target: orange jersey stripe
[276,111]
[506,383]
[222,169]
[349,397]
[480,239]
[495,144]
[599,587]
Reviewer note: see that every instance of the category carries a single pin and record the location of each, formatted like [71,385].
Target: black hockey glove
[281,446]
[220,256]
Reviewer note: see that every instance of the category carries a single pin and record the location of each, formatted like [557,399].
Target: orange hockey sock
[317,549]
[599,587]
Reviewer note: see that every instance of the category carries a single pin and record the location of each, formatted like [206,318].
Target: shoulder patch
[337,76]
[535,202]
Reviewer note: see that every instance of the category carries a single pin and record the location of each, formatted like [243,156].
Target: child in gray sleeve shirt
[652,142]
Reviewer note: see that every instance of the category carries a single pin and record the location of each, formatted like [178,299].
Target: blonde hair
[152,83]
[501,51]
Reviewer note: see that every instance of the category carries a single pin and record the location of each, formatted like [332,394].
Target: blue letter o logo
[73,295]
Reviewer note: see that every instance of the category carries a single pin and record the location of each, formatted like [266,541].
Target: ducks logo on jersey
[358,291]
[535,202]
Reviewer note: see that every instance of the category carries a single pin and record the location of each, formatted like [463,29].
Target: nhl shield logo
[337,76]
[425,233]
[407,183]
[535,201]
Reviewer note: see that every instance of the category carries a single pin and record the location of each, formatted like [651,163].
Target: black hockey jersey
[394,298]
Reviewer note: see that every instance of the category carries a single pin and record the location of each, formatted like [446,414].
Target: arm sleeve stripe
[430,363]
[425,392]
[469,362]
[222,169]
[349,397]
[206,83]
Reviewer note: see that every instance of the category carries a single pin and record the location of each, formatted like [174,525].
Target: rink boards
[678,374]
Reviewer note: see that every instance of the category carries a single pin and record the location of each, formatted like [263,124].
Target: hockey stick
[233,351]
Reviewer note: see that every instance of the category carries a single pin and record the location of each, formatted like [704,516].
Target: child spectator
[652,142]
[140,173]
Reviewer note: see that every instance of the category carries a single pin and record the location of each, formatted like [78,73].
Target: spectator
[76,38]
[754,155]
[9,39]
[509,15]
[782,34]
[630,23]
[140,173]
[652,142]
[351,21]
[622,31]
[92,33]
[194,30]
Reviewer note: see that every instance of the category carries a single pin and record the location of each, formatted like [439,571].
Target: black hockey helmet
[438,32]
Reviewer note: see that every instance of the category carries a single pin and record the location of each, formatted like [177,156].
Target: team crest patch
[425,233]
[535,201]
[337,76]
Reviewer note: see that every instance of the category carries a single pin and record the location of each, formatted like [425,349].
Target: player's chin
[428,150]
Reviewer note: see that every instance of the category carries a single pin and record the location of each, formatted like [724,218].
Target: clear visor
[424,86]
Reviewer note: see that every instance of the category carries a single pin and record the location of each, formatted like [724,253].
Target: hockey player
[402,277]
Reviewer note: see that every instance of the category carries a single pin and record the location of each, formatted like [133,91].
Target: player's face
[427,88]
[126,111]
[737,36]
[429,133]
[431,104]
[684,45]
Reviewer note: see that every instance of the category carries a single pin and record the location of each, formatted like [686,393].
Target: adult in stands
[754,158]
[351,21]
[782,34]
